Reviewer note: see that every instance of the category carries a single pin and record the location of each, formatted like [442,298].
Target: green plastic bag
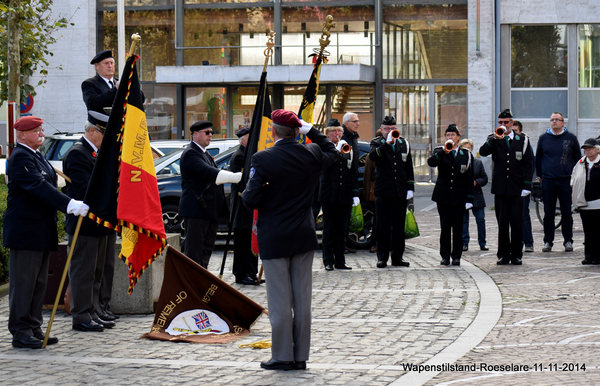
[357,223]
[410,225]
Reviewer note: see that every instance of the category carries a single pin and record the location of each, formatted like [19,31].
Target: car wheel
[173,223]
[362,239]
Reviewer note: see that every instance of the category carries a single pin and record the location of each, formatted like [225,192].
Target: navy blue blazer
[200,197]
[30,217]
[282,183]
[97,94]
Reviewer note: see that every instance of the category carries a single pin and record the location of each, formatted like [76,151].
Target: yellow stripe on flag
[136,144]
[265,140]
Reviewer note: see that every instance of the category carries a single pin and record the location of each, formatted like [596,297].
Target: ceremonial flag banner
[123,193]
[259,139]
[307,107]
[196,306]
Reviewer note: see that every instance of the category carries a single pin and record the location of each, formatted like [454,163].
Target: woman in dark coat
[481,179]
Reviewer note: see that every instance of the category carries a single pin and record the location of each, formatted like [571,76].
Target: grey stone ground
[368,325]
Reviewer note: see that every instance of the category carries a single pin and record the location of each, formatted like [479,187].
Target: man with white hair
[350,125]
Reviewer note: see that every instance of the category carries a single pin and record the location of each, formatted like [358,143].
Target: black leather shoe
[111,315]
[516,261]
[381,264]
[465,247]
[344,266]
[401,263]
[300,365]
[274,364]
[586,262]
[108,317]
[90,325]
[51,339]
[445,262]
[29,342]
[105,323]
[247,280]
[503,261]
[456,262]
[329,267]
[484,248]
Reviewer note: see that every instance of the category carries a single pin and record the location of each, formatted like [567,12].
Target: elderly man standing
[100,91]
[30,231]
[350,135]
[556,155]
[511,180]
[87,265]
[282,181]
[202,199]
[394,186]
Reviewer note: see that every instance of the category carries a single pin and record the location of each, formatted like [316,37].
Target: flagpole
[62,281]
[268,53]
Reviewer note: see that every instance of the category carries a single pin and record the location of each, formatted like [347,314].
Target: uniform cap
[97,119]
[28,123]
[452,129]
[200,125]
[333,122]
[285,118]
[505,114]
[388,121]
[100,56]
[243,131]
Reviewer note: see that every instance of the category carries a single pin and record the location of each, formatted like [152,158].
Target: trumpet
[396,134]
[449,145]
[501,130]
[345,149]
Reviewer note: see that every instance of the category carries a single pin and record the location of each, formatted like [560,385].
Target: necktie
[111,83]
[454,153]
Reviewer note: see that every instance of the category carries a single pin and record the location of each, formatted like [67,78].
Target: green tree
[27,29]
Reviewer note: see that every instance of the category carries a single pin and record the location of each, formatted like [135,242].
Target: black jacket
[454,184]
[512,170]
[395,175]
[97,94]
[339,182]
[30,217]
[244,216]
[481,177]
[352,139]
[200,197]
[281,186]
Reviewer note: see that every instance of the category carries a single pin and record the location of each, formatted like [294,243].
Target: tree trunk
[14,57]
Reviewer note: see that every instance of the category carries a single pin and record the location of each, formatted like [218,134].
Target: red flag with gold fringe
[123,192]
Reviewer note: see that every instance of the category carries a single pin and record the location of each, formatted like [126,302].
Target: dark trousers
[551,190]
[509,213]
[451,223]
[28,274]
[335,223]
[85,275]
[391,215]
[200,236]
[479,214]
[107,275]
[591,234]
[245,264]
[527,233]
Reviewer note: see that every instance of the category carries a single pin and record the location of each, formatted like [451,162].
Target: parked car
[169,187]
[216,145]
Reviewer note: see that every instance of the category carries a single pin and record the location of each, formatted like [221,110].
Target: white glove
[340,144]
[77,208]
[525,193]
[356,201]
[410,194]
[225,176]
[468,206]
[305,128]
[389,137]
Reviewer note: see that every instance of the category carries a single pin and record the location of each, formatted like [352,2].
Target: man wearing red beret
[282,182]
[30,231]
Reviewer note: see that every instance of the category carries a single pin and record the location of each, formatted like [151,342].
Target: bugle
[396,134]
[345,149]
[501,130]
[449,145]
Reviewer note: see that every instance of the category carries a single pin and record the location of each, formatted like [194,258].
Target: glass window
[425,41]
[134,3]
[351,38]
[238,36]
[354,99]
[225,1]
[161,111]
[157,31]
[589,70]
[243,99]
[450,107]
[206,104]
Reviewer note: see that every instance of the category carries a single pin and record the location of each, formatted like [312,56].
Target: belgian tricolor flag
[123,192]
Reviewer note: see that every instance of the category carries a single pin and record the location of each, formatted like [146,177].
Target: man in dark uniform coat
[338,192]
[511,179]
[100,90]
[202,199]
[350,135]
[394,186]
[245,263]
[282,181]
[87,264]
[30,231]
[453,193]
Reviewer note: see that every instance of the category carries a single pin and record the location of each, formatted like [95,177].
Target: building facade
[428,63]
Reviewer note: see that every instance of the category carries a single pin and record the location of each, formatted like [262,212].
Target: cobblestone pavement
[369,324]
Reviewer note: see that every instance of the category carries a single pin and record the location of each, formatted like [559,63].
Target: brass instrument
[501,130]
[346,148]
[396,134]
[449,145]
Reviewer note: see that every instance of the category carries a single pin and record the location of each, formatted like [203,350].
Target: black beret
[100,56]
[243,131]
[200,125]
[285,118]
[389,121]
[505,114]
[333,122]
[590,142]
[452,129]
[98,119]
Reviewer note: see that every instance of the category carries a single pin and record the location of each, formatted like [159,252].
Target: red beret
[285,118]
[28,123]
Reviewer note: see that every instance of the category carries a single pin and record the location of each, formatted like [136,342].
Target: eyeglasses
[503,122]
[357,121]
[38,131]
[207,132]
[556,120]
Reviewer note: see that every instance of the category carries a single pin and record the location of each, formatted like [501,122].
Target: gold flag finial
[269,50]
[135,39]
[324,39]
